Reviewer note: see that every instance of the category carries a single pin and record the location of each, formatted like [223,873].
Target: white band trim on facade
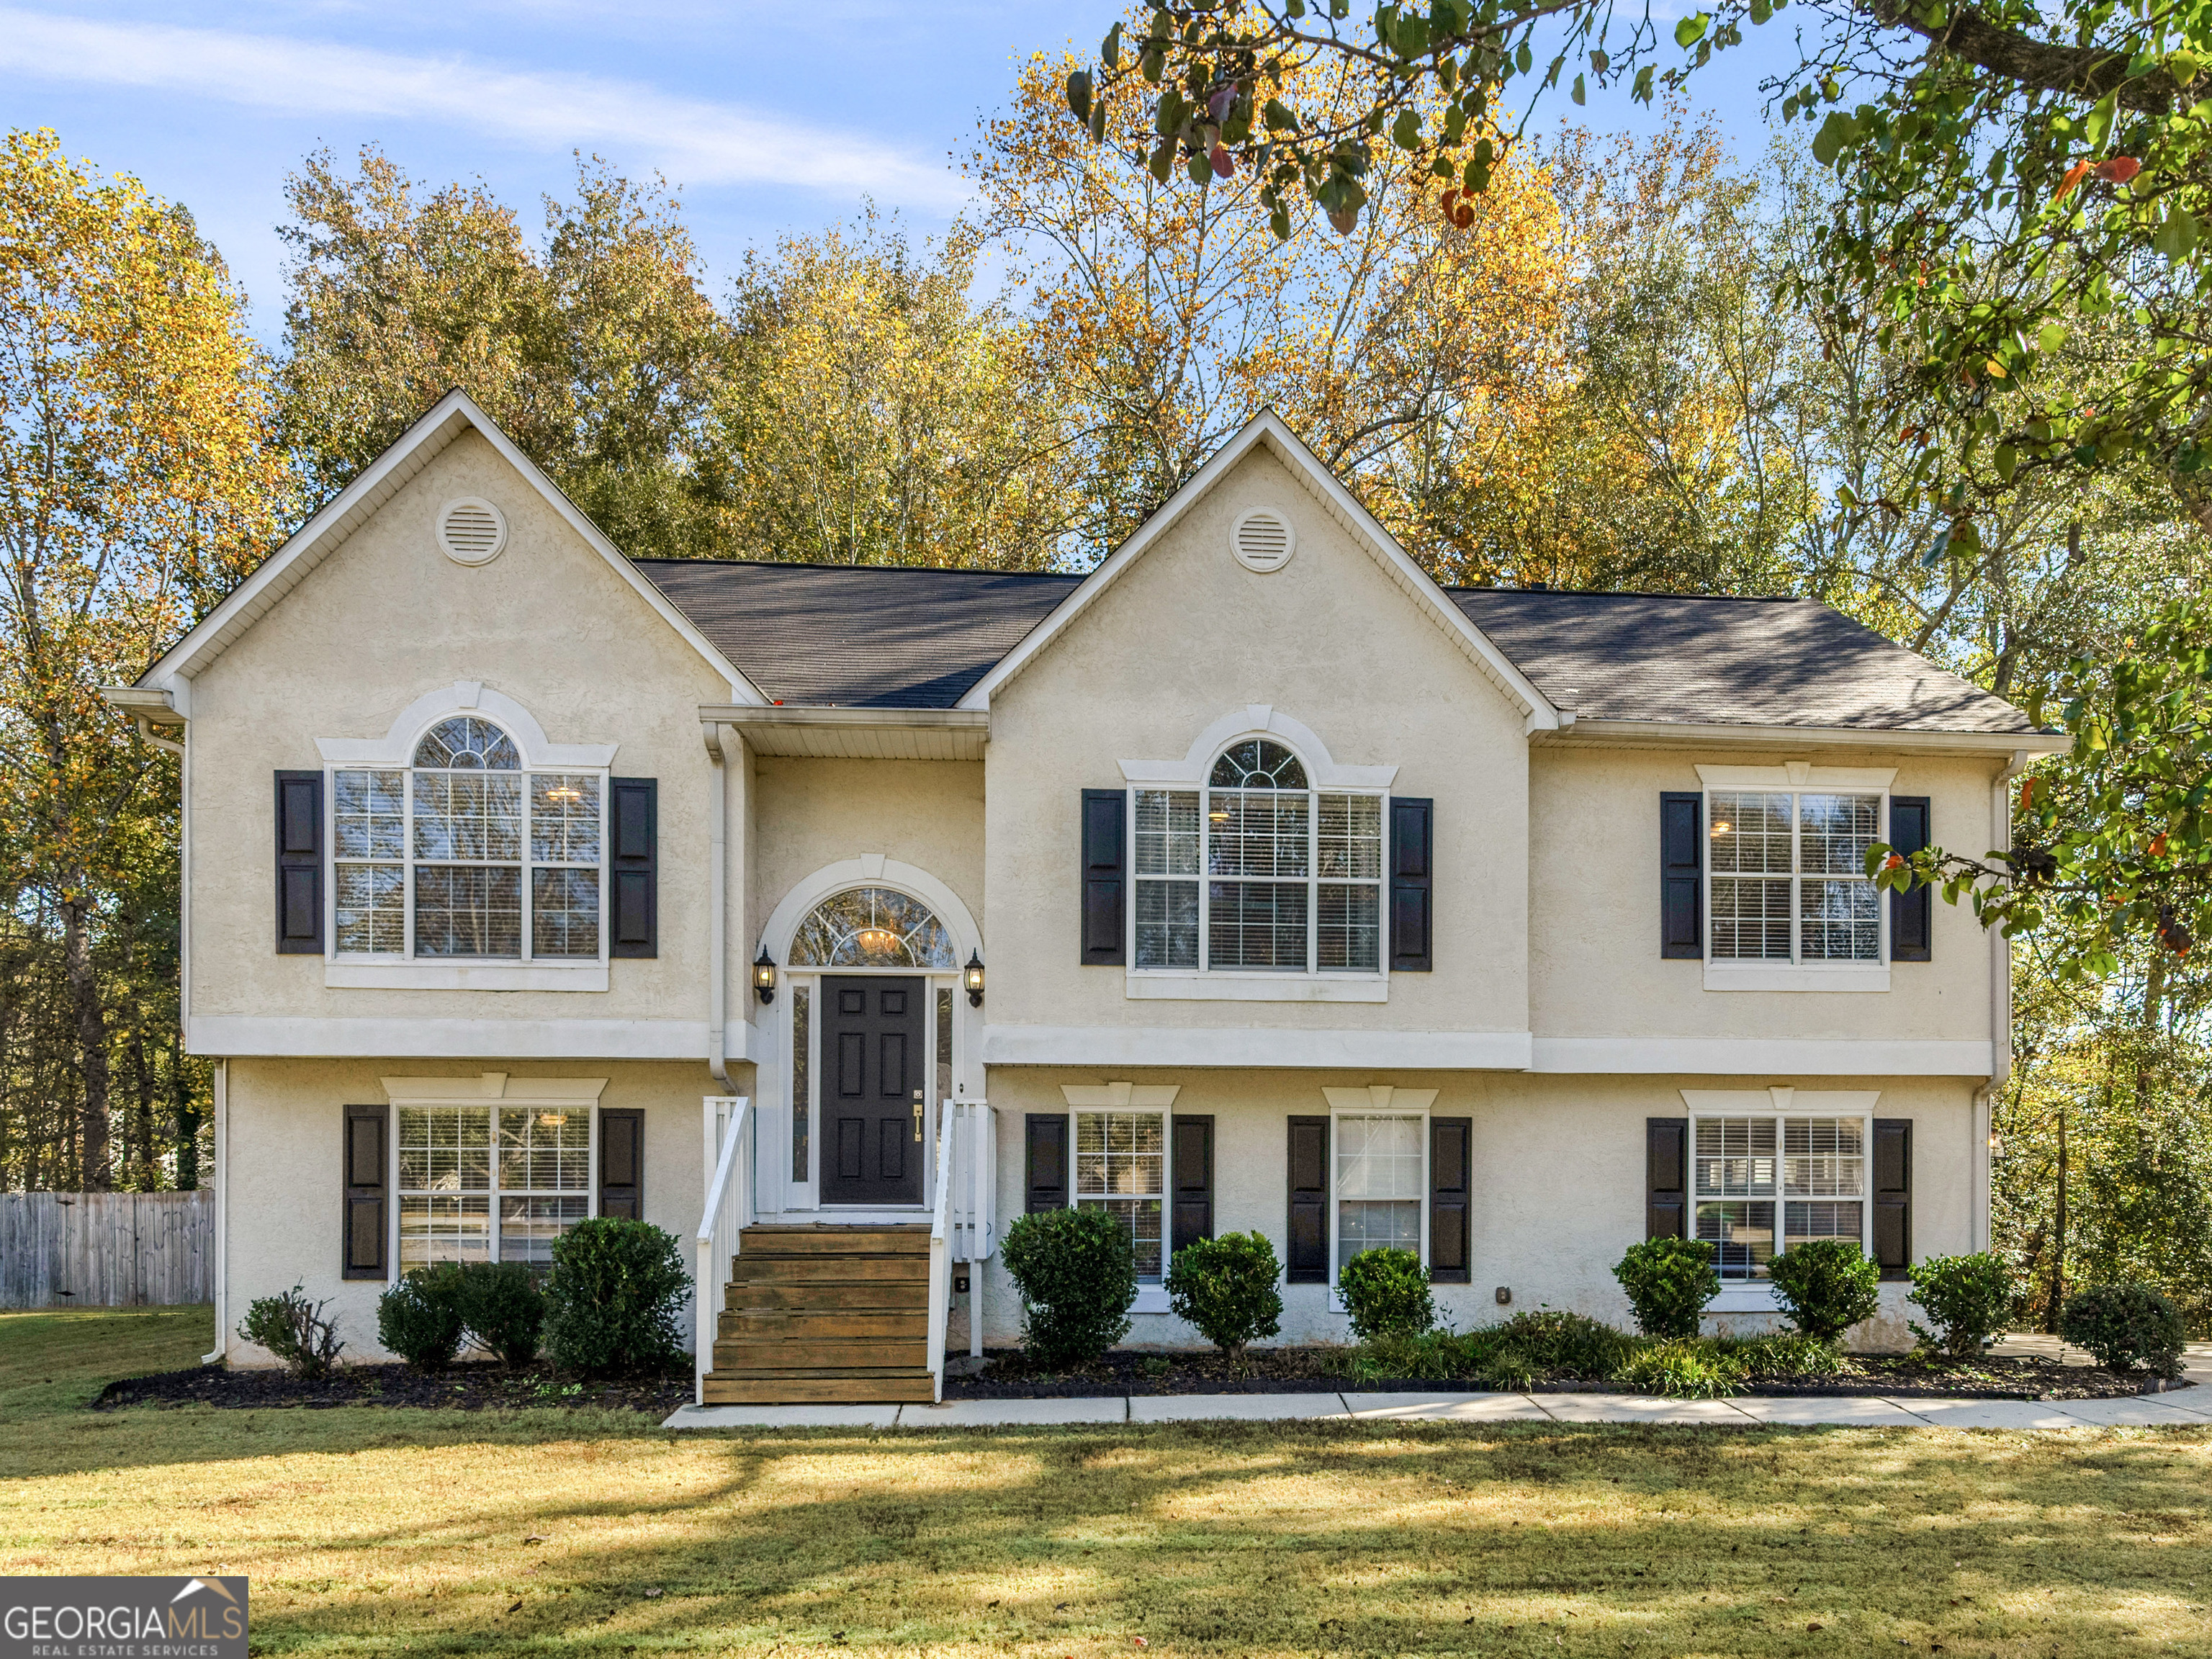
[270,1036]
[1797,775]
[1122,1096]
[1255,1046]
[1781,1056]
[495,1085]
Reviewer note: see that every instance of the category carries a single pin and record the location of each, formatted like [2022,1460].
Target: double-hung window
[1788,872]
[1760,1172]
[1258,871]
[491,1183]
[465,855]
[1380,1178]
[1121,1167]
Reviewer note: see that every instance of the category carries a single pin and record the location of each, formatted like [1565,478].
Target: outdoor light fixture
[764,976]
[972,977]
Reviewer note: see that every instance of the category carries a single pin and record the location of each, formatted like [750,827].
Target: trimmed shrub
[615,1300]
[2126,1325]
[1077,1275]
[1228,1290]
[1968,1298]
[1685,1368]
[1387,1294]
[1669,1281]
[294,1329]
[1825,1285]
[503,1308]
[419,1318]
[1561,1344]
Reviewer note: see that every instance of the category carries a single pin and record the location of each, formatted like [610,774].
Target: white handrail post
[940,1251]
[727,1212]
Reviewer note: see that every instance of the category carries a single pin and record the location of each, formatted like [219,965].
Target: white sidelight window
[1380,1179]
[1788,875]
[1121,1167]
[1758,1173]
[465,855]
[491,1183]
[1257,871]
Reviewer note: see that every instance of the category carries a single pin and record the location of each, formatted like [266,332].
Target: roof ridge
[926,570]
[1637,593]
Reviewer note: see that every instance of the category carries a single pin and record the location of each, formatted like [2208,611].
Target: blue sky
[774,116]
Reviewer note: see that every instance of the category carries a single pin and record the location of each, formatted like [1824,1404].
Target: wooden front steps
[821,1314]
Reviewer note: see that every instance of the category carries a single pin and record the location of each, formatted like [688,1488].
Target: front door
[872,1049]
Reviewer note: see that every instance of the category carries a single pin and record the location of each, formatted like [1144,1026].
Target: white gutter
[222,1214]
[718,839]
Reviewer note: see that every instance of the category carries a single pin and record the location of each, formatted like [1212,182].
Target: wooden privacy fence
[106,1249]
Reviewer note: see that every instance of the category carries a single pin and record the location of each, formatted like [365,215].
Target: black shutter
[1682,874]
[1413,865]
[1105,869]
[621,1164]
[1194,1181]
[634,867]
[366,1167]
[1892,1195]
[1044,1159]
[1450,1174]
[1666,1177]
[299,863]
[1306,1260]
[1912,916]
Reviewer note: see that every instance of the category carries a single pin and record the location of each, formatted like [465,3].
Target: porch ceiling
[831,733]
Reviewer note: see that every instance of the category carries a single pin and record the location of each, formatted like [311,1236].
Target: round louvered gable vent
[1263,540]
[470,531]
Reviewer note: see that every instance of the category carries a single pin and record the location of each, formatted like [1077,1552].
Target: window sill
[1157,985]
[1755,1295]
[465,975]
[1151,1299]
[1803,976]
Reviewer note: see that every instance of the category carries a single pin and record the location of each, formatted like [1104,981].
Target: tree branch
[2085,72]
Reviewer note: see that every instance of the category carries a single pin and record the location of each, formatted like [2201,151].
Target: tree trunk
[145,1175]
[2058,1250]
[187,1118]
[91,1033]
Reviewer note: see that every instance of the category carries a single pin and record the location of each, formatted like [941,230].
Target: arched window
[466,854]
[872,927]
[1291,877]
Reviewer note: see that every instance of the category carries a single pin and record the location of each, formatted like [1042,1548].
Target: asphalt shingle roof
[893,636]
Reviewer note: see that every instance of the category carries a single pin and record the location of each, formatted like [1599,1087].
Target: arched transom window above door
[872,928]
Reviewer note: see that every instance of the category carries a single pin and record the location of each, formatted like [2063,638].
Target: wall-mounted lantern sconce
[972,976]
[764,976]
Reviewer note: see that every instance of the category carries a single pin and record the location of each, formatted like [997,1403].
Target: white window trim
[1159,1097]
[395,751]
[1794,778]
[1379,1101]
[1757,1295]
[493,1089]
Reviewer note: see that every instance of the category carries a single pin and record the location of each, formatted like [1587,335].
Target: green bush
[503,1308]
[1228,1290]
[1387,1294]
[1077,1275]
[1685,1368]
[1783,1355]
[1825,1285]
[614,1299]
[1669,1281]
[1968,1298]
[1508,1371]
[295,1330]
[2126,1325]
[419,1318]
[1562,1344]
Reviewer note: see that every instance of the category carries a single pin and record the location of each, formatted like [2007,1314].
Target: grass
[588,1533]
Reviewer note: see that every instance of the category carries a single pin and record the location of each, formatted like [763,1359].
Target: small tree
[1228,1290]
[1967,1297]
[1387,1294]
[1077,1274]
[1825,1285]
[1669,1281]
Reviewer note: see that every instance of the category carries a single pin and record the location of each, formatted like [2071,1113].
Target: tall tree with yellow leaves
[137,483]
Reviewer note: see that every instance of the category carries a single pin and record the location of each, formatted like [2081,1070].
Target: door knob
[917,1113]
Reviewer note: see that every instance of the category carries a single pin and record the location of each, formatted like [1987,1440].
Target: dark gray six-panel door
[872,1057]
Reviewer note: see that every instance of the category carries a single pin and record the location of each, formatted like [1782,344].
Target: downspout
[718,837]
[2000,1008]
[222,1214]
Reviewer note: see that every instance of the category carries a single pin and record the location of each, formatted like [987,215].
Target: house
[1253,881]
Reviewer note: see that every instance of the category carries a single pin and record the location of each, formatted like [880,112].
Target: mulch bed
[469,1386]
[1321,1371]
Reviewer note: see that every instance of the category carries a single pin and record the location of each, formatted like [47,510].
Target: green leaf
[2177,237]
[1577,94]
[1406,130]
[1692,29]
[1278,117]
[1642,90]
[1110,49]
[1523,59]
[1078,94]
[2008,462]
[2050,336]
[1835,133]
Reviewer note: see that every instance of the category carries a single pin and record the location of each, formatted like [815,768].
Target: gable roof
[346,512]
[1692,659]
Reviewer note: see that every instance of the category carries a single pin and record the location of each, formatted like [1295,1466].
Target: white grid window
[465,855]
[1808,1173]
[1380,1174]
[485,1184]
[1257,871]
[1121,1167]
[1789,879]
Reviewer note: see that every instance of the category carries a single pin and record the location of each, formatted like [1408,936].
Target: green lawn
[586,1532]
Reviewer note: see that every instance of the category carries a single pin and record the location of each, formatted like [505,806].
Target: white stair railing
[941,1229]
[964,1223]
[729,1211]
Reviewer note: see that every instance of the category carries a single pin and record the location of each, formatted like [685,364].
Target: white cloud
[693,142]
